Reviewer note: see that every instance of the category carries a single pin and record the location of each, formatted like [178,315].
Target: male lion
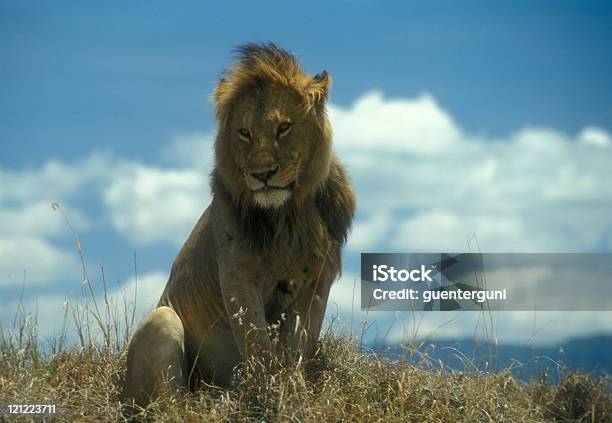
[267,249]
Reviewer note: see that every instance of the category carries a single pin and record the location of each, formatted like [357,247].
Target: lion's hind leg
[156,356]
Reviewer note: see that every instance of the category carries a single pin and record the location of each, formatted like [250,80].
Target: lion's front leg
[156,356]
[304,318]
[245,308]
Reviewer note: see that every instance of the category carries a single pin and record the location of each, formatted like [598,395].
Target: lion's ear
[318,87]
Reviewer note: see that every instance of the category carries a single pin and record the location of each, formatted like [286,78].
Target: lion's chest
[285,281]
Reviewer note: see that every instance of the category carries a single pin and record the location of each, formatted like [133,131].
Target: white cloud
[595,136]
[408,126]
[518,327]
[55,180]
[149,204]
[29,228]
[536,190]
[439,229]
[423,183]
[48,312]
[144,291]
[191,150]
[515,327]
[370,232]
[344,296]
[45,314]
[38,218]
[34,261]
[28,252]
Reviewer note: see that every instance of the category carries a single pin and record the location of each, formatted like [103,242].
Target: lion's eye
[283,129]
[244,135]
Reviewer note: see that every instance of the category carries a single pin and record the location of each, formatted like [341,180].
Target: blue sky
[106,111]
[83,77]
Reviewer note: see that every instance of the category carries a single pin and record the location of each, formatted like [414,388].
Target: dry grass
[341,384]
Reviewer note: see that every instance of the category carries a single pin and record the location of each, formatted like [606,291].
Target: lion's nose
[264,176]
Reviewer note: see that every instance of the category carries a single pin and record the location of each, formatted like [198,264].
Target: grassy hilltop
[343,383]
[82,372]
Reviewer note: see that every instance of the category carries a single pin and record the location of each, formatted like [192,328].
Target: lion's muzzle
[265,175]
[271,189]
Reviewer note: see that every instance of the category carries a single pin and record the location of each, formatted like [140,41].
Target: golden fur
[268,247]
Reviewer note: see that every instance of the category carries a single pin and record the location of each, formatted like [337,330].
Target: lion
[267,249]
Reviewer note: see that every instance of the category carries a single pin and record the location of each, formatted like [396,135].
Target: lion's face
[273,147]
[269,131]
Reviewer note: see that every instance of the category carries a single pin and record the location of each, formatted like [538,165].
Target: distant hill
[590,354]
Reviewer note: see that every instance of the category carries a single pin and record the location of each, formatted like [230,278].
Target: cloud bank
[427,185]
[423,184]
